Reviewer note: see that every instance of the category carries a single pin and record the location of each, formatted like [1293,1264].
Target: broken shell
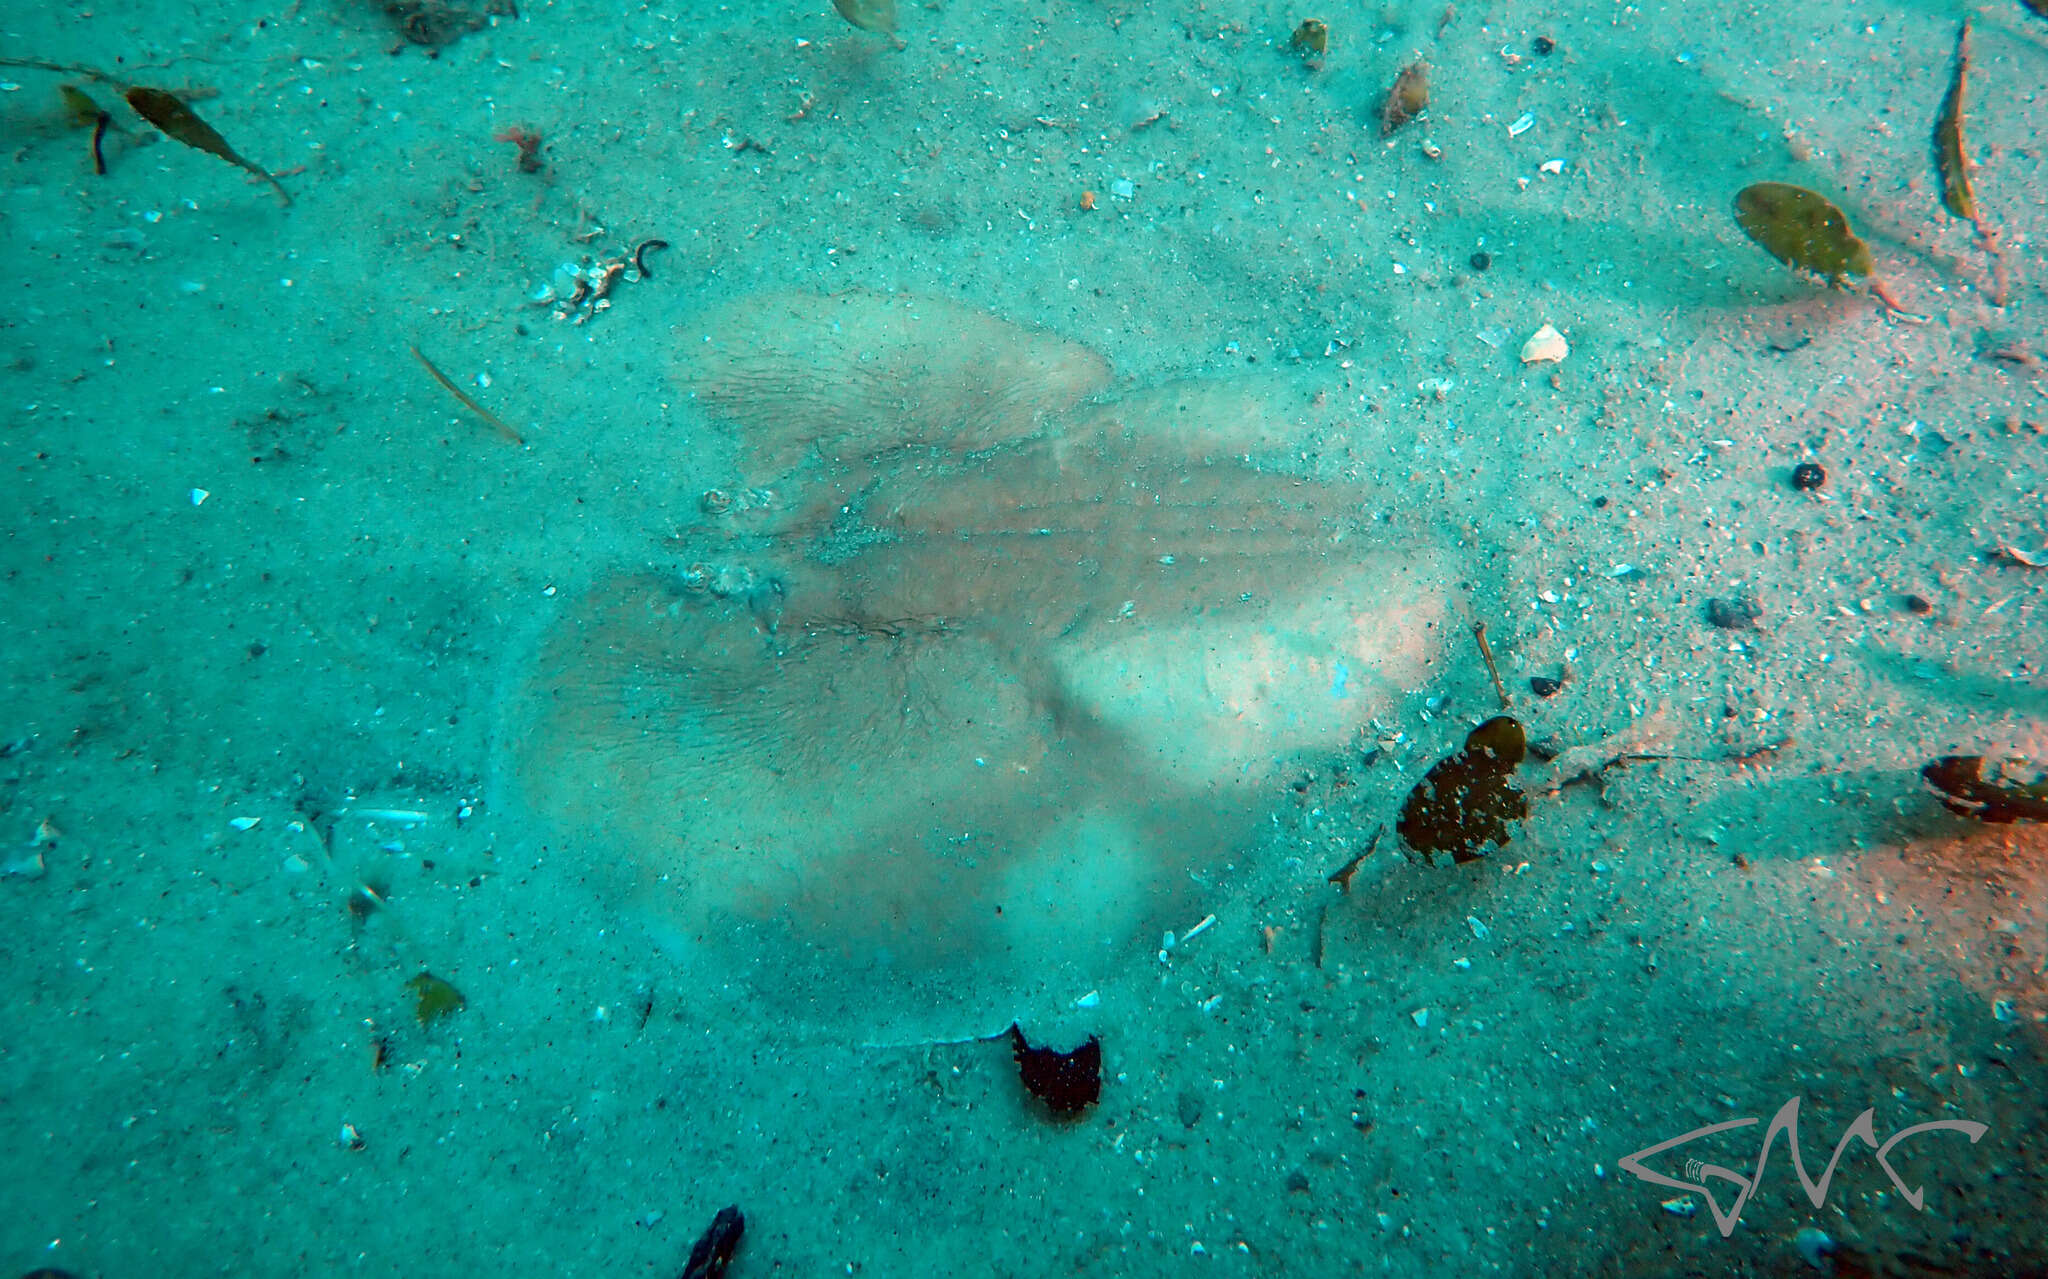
[1545,346]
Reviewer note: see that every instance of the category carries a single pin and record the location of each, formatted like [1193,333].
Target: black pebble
[1481,261]
[1918,604]
[1808,476]
[1067,1083]
[1544,46]
[1738,614]
[714,1249]
[1544,686]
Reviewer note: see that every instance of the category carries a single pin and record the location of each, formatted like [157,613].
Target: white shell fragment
[1545,346]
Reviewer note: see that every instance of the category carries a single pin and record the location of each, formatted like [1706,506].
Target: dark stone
[1918,604]
[1738,614]
[714,1248]
[1544,686]
[1481,260]
[1067,1083]
[1808,476]
[1544,46]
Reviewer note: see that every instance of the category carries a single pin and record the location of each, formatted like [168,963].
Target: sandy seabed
[289,633]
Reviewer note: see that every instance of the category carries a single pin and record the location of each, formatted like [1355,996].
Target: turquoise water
[1007,550]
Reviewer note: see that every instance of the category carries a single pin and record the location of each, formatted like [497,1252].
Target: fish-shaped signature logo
[1786,1121]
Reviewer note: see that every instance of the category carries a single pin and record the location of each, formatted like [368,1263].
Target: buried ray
[979,713]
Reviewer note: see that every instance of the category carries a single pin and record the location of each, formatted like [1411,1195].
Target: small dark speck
[1808,476]
[1481,260]
[1544,46]
[1544,686]
[1918,604]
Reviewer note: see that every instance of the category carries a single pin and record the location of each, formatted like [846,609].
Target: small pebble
[1544,46]
[1816,1249]
[1544,686]
[1918,604]
[1808,476]
[1481,260]
[1545,346]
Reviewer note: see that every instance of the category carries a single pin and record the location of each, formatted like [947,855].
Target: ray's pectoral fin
[848,375]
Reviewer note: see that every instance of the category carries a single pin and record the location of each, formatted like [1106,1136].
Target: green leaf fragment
[1802,228]
[436,998]
[869,15]
[180,122]
[1950,159]
[79,105]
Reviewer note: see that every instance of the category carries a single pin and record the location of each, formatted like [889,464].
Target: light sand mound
[853,373]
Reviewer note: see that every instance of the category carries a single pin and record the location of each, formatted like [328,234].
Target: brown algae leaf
[436,998]
[2017,791]
[869,15]
[1465,802]
[1951,159]
[179,122]
[1407,99]
[1803,229]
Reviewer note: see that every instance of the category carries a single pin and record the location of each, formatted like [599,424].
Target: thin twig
[468,403]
